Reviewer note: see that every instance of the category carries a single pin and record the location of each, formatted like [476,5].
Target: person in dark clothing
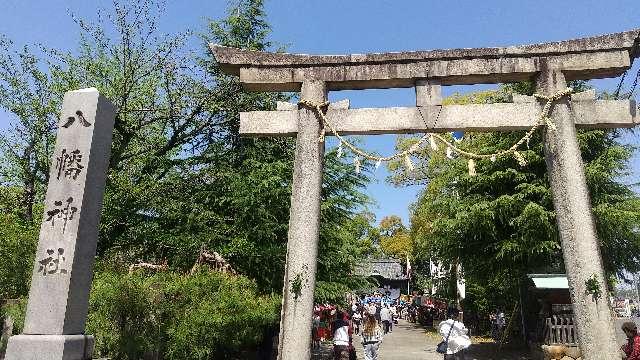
[268,346]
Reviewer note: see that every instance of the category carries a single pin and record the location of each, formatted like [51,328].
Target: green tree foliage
[206,315]
[361,228]
[395,239]
[501,223]
[181,178]
[15,310]
[25,92]
[391,225]
[18,239]
[340,248]
[167,115]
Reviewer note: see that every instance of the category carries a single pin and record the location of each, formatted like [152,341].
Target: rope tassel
[322,133]
[472,167]
[432,142]
[452,150]
[449,152]
[408,163]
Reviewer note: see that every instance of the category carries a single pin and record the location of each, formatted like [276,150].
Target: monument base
[50,347]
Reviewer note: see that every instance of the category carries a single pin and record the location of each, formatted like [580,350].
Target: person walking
[356,319]
[341,339]
[385,317]
[371,337]
[394,316]
[632,348]
[494,326]
[455,335]
[315,331]
[371,308]
[501,322]
[378,309]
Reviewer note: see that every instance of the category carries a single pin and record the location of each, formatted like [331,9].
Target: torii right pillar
[576,226]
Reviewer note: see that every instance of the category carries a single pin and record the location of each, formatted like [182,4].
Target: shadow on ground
[490,351]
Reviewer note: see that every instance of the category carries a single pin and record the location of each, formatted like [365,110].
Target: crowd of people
[368,319]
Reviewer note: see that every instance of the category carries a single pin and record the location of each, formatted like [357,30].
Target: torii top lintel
[580,59]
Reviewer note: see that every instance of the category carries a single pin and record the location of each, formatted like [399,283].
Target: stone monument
[61,281]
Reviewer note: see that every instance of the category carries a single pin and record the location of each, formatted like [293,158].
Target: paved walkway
[407,342]
[411,342]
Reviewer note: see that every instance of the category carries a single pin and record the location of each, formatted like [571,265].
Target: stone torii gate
[550,65]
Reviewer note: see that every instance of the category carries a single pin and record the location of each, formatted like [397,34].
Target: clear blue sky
[360,26]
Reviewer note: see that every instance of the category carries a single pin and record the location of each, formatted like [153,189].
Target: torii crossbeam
[550,65]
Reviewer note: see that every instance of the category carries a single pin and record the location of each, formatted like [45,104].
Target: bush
[18,242]
[207,315]
[123,315]
[16,310]
[331,293]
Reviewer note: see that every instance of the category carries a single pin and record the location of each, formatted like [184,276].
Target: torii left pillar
[304,231]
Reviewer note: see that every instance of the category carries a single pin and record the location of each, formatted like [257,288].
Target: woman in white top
[455,334]
[341,337]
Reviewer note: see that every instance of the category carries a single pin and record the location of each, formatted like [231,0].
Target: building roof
[390,269]
[549,281]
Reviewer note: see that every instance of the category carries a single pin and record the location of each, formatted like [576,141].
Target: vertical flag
[408,275]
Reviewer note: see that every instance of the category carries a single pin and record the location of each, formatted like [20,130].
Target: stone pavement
[407,342]
[411,342]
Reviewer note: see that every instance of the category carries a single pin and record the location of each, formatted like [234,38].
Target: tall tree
[25,92]
[181,178]
[395,239]
[500,224]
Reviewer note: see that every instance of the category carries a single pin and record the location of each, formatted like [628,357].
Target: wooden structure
[389,274]
[560,330]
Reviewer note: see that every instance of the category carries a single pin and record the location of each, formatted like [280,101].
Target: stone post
[576,225]
[428,93]
[304,227]
[61,282]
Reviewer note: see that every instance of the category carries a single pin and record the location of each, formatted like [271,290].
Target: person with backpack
[455,338]
[371,337]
